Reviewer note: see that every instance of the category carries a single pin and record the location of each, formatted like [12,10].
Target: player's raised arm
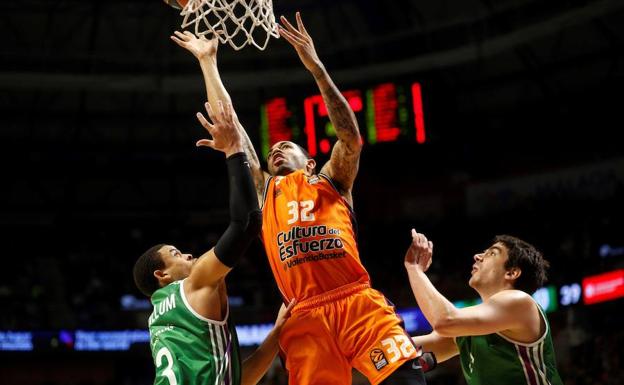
[343,164]
[256,365]
[245,216]
[507,310]
[206,53]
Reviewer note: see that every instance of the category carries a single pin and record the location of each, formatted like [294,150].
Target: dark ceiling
[97,103]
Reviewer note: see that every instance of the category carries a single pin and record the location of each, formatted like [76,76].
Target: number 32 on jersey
[397,347]
[300,211]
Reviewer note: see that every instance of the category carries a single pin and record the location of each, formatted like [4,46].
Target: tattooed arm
[206,52]
[343,163]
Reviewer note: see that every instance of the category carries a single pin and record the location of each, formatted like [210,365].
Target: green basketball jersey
[189,349]
[494,359]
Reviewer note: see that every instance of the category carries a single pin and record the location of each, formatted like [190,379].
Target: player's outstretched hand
[419,254]
[284,314]
[225,135]
[301,40]
[200,47]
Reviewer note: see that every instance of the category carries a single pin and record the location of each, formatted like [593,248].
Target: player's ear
[161,275]
[513,274]
[310,165]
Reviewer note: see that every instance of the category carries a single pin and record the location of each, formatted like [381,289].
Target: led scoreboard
[386,113]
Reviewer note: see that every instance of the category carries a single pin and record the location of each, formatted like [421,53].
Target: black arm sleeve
[245,215]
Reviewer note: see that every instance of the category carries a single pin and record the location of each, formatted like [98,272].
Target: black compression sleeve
[245,215]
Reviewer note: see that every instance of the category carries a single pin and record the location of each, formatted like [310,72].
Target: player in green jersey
[192,337]
[505,339]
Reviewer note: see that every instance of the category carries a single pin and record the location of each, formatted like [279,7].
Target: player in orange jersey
[309,235]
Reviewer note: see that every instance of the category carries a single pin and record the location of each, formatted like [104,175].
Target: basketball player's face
[488,269]
[285,157]
[177,265]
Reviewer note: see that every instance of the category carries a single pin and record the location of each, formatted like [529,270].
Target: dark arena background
[478,118]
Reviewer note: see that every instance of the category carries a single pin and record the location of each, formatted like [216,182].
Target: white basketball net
[237,22]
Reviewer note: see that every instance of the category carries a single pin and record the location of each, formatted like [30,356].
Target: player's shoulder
[517,299]
[167,289]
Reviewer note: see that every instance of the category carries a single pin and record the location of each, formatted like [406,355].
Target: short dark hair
[144,269]
[528,259]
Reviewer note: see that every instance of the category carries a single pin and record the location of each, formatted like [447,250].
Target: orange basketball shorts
[349,327]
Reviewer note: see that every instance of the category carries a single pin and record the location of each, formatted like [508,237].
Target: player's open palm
[420,252]
[200,47]
[301,40]
[225,135]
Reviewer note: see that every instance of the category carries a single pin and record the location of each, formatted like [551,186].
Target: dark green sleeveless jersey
[187,348]
[494,359]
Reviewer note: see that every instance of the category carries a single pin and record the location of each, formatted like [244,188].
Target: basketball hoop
[236,22]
